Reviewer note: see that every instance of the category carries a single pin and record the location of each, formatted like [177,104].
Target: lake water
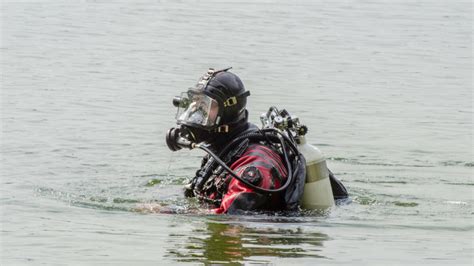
[385,88]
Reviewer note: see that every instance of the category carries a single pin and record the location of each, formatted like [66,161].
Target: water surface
[385,88]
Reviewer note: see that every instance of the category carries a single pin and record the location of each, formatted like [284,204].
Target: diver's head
[211,108]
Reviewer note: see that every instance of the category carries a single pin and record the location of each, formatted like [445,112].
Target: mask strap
[233,100]
[222,70]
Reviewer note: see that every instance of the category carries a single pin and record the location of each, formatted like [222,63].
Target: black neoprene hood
[229,91]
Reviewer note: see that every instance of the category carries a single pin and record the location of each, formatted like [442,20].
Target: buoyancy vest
[259,163]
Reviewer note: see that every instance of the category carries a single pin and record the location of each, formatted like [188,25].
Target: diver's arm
[260,166]
[158,208]
[239,198]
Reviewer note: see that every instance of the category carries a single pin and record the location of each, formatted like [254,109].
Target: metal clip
[223,128]
[231,101]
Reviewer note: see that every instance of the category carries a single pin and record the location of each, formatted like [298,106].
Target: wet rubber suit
[258,164]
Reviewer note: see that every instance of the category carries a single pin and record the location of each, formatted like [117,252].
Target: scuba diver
[248,168]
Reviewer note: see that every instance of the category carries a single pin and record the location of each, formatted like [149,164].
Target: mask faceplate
[197,109]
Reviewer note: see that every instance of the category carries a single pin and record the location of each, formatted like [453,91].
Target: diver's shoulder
[260,150]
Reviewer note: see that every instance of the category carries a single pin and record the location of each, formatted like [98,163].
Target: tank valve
[302,130]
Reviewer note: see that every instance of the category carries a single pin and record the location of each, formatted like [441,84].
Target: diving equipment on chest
[209,184]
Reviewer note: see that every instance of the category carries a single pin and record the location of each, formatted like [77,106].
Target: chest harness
[211,181]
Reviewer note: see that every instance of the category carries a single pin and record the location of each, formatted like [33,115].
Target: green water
[385,88]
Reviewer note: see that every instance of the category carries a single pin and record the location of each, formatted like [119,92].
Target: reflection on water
[220,242]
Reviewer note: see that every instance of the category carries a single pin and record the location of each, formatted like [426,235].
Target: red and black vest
[257,164]
[257,161]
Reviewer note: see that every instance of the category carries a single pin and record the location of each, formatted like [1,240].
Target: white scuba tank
[317,189]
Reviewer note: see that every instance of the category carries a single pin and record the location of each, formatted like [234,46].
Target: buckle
[223,128]
[211,71]
[231,101]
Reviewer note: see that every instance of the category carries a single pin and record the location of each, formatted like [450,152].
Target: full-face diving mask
[197,109]
[203,110]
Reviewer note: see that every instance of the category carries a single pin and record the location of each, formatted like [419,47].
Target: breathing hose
[265,134]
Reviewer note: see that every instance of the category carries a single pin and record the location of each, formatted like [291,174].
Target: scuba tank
[317,189]
[317,193]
